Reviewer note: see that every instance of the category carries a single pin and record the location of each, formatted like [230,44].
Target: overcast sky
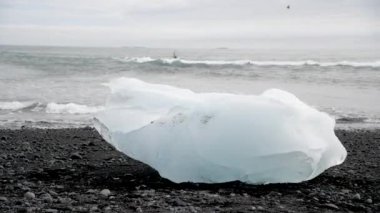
[189,23]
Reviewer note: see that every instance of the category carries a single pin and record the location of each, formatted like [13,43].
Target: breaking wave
[72,108]
[178,61]
[51,108]
[16,105]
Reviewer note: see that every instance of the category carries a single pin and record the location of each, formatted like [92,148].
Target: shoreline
[43,125]
[67,169]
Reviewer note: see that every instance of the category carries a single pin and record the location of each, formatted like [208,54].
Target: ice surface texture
[217,137]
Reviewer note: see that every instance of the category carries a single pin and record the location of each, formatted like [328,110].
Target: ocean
[58,87]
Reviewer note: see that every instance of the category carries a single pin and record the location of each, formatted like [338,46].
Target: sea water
[56,87]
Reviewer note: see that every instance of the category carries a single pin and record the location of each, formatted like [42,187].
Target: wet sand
[66,170]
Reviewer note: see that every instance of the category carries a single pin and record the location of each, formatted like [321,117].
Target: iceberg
[218,137]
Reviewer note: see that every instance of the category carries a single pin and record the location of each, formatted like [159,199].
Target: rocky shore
[75,170]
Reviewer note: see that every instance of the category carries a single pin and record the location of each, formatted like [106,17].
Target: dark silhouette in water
[288,7]
[174,55]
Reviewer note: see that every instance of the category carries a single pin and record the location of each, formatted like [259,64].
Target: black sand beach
[66,170]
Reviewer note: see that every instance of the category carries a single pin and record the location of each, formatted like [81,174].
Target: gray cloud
[243,23]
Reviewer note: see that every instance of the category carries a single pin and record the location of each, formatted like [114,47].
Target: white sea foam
[250,62]
[219,137]
[15,105]
[71,108]
[140,59]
